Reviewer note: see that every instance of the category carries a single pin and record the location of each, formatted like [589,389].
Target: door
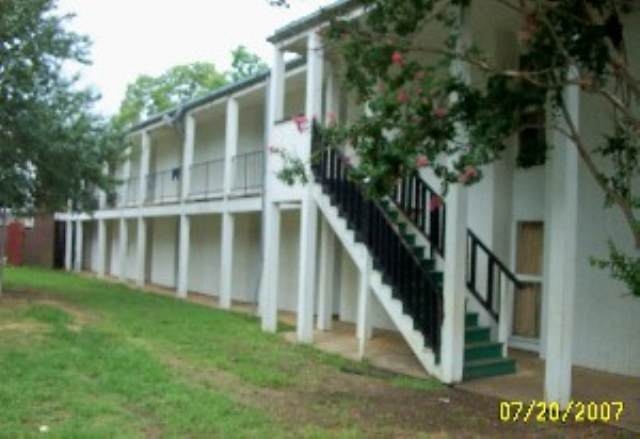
[527,301]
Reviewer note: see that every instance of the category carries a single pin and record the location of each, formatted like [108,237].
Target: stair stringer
[383,292]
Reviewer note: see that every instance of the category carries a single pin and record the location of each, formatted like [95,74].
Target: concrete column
[271,267]
[68,246]
[183,256]
[123,243]
[363,323]
[144,166]
[126,176]
[141,253]
[333,92]
[231,142]
[187,154]
[102,195]
[561,221]
[315,63]
[276,87]
[452,338]
[307,267]
[102,248]
[226,273]
[78,260]
[326,275]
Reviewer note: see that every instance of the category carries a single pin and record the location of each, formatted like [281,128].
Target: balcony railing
[131,191]
[207,179]
[248,172]
[164,186]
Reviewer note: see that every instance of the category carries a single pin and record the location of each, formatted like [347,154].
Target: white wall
[112,256]
[166,150]
[132,249]
[251,128]
[89,245]
[204,256]
[246,257]
[288,270]
[164,242]
[210,137]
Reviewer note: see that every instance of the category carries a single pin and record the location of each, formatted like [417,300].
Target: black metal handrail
[207,178]
[495,271]
[410,280]
[164,185]
[424,207]
[248,171]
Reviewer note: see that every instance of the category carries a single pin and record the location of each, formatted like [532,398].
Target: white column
[271,267]
[187,154]
[102,195]
[326,276]
[307,267]
[78,249]
[144,166]
[276,87]
[561,257]
[231,142]
[102,248]
[453,327]
[315,63]
[141,252]
[183,256]
[123,243]
[68,246]
[226,273]
[123,191]
[363,323]
[333,91]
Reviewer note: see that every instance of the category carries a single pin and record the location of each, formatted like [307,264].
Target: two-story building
[502,264]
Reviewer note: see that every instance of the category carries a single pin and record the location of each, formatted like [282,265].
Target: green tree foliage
[52,148]
[245,64]
[150,95]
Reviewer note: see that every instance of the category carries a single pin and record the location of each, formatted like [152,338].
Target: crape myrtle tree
[52,147]
[413,93]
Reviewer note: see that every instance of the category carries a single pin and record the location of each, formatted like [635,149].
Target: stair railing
[410,280]
[494,273]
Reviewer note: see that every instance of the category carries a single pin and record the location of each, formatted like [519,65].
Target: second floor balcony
[248,173]
[207,179]
[164,186]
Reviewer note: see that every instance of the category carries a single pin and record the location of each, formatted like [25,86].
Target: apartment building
[502,264]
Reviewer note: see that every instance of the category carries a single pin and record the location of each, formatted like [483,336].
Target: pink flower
[440,112]
[397,58]
[402,97]
[468,173]
[302,123]
[422,161]
[435,203]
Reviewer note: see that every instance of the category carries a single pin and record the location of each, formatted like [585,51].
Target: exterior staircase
[405,278]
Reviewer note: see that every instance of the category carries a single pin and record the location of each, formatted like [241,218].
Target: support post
[144,166]
[231,143]
[315,63]
[123,243]
[363,324]
[183,256]
[560,257]
[307,267]
[102,248]
[271,268]
[141,253]
[78,260]
[226,273]
[276,87]
[326,276]
[187,154]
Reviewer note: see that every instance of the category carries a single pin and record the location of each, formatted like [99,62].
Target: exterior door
[527,302]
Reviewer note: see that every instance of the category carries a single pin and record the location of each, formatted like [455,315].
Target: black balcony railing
[164,186]
[207,178]
[248,172]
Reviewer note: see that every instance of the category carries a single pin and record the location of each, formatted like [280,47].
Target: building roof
[178,111]
[313,19]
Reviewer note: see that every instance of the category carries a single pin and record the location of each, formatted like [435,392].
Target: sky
[134,37]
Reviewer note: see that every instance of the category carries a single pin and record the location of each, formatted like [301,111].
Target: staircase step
[488,367]
[471,319]
[402,227]
[428,264]
[482,350]
[410,238]
[419,251]
[476,334]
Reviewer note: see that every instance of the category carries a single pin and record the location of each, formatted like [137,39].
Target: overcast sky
[132,37]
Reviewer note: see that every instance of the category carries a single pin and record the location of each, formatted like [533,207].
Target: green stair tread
[487,362]
[481,344]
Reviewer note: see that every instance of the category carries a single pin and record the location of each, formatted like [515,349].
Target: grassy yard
[85,358]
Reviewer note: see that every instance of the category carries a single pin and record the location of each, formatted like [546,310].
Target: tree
[245,64]
[455,126]
[52,147]
[149,95]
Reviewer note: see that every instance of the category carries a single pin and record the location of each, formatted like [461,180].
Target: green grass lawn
[87,358]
